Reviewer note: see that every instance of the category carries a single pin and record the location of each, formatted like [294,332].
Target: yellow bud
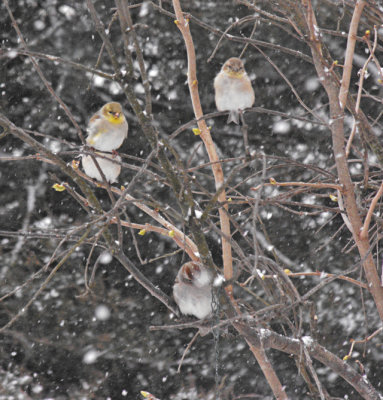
[196,131]
[367,32]
[345,358]
[142,232]
[75,164]
[148,395]
[122,188]
[58,187]
[273,181]
[176,22]
[287,271]
[333,198]
[171,234]
[336,62]
[195,82]
[229,199]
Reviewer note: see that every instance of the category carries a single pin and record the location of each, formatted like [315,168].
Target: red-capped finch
[107,129]
[233,90]
[192,290]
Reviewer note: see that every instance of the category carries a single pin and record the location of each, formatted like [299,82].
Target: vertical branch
[350,53]
[183,26]
[338,139]
[258,352]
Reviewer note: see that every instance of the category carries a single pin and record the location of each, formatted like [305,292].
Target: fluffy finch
[107,129]
[192,290]
[233,90]
[109,166]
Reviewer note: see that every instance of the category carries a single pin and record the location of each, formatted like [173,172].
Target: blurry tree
[286,206]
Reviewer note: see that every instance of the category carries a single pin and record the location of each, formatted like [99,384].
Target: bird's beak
[116,115]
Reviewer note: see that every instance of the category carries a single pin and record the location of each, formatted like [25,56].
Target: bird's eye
[188,273]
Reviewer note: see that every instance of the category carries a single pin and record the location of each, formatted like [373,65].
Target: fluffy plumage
[111,169]
[192,290]
[233,90]
[107,129]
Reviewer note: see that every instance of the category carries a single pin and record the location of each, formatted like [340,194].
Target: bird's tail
[233,117]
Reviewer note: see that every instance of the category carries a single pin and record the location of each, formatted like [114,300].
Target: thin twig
[186,350]
[303,184]
[45,283]
[351,39]
[42,76]
[359,96]
[366,225]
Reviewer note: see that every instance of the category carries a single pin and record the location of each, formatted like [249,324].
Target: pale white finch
[192,289]
[107,129]
[111,169]
[233,90]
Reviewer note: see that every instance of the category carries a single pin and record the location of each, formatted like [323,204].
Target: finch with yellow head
[107,129]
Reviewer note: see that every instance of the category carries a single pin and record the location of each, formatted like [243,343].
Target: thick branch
[183,26]
[337,129]
[270,339]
